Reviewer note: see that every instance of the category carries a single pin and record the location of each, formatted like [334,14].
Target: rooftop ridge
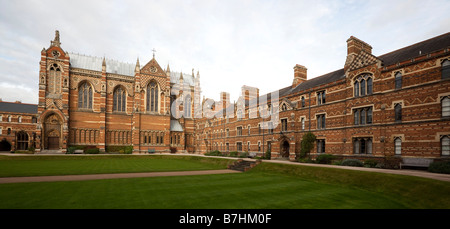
[418,43]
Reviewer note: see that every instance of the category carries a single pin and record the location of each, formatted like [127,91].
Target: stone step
[241,165]
[50,152]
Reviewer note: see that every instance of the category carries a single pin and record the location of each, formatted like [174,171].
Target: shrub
[268,155]
[307,144]
[439,167]
[352,162]
[214,153]
[173,149]
[233,154]
[243,155]
[325,159]
[128,149]
[390,162]
[71,150]
[92,151]
[370,163]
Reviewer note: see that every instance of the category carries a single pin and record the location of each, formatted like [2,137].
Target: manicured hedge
[440,167]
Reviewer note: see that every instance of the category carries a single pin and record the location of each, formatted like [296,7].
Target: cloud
[232,43]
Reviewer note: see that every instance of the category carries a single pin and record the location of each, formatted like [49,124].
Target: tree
[307,144]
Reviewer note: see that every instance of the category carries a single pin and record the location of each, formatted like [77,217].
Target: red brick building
[17,126]
[375,106]
[98,102]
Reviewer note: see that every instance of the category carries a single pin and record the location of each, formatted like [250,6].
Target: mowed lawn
[267,186]
[14,166]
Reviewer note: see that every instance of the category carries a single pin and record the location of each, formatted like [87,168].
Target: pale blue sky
[232,43]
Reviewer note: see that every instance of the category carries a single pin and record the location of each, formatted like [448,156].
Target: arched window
[303,101]
[398,112]
[398,146]
[120,102]
[22,140]
[446,69]
[445,146]
[152,97]
[356,88]
[363,85]
[54,80]
[445,102]
[369,86]
[85,96]
[283,107]
[398,80]
[187,106]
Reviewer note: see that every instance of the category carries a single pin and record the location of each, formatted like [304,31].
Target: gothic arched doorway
[5,145]
[52,132]
[284,149]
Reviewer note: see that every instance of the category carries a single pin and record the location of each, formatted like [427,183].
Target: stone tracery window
[85,96]
[363,85]
[54,80]
[152,97]
[120,102]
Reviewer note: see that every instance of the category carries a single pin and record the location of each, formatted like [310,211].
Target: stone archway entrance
[284,149]
[5,145]
[52,132]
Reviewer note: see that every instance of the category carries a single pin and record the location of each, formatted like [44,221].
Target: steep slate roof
[18,107]
[406,53]
[187,79]
[95,64]
[412,51]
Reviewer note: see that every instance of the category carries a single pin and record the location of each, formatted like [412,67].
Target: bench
[415,162]
[78,151]
[252,155]
[151,151]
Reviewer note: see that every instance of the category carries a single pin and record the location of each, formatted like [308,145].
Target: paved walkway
[419,173]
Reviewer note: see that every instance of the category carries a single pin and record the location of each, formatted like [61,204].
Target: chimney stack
[300,75]
[354,47]
[249,93]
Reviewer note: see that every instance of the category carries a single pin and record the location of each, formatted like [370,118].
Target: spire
[56,41]
[181,76]
[138,66]
[198,73]
[193,73]
[168,68]
[104,65]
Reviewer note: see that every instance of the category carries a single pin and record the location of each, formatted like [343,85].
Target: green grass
[267,186]
[68,165]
